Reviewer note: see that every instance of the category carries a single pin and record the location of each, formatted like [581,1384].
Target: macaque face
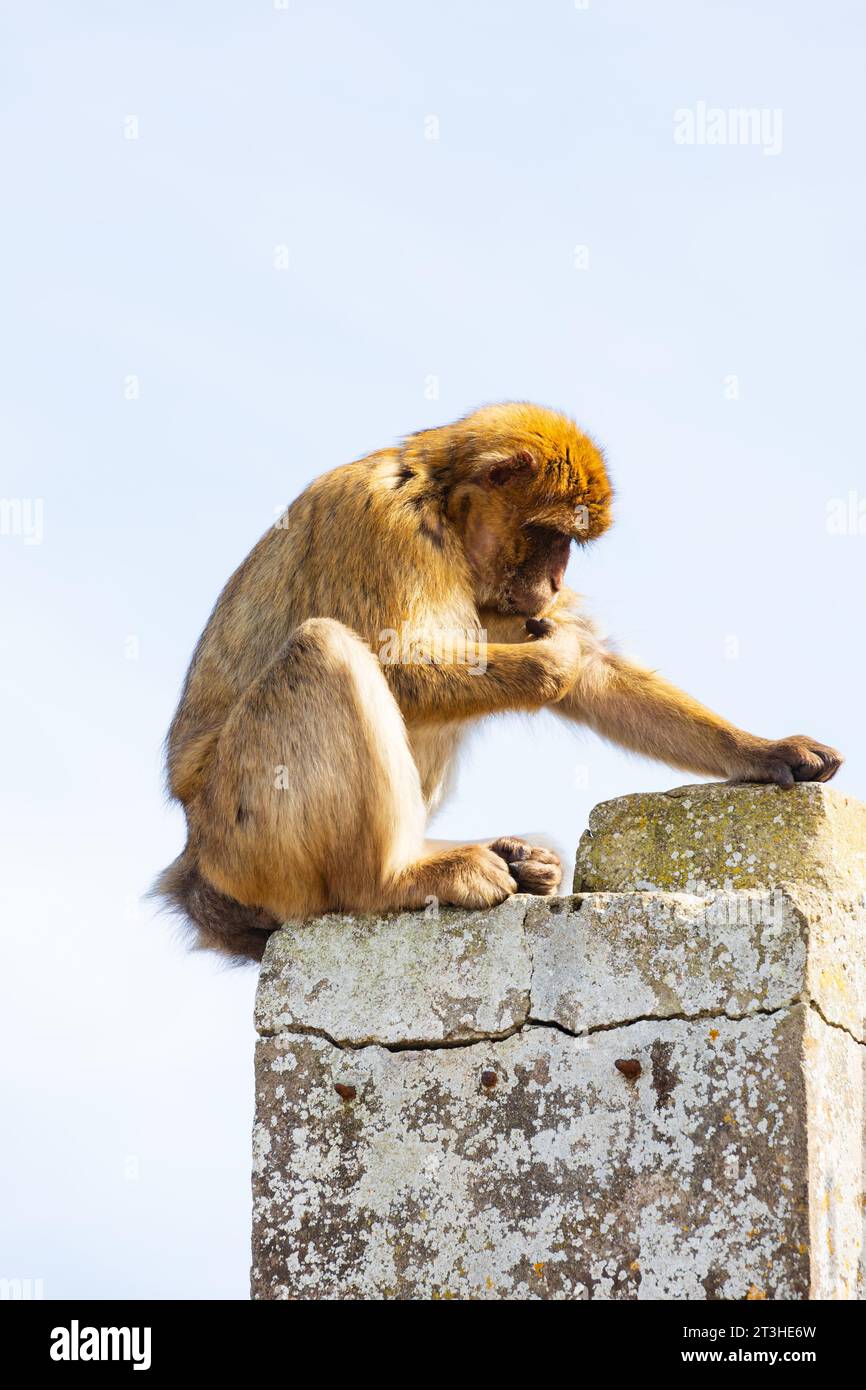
[530,586]
[517,567]
[517,515]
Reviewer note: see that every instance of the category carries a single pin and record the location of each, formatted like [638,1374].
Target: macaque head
[522,483]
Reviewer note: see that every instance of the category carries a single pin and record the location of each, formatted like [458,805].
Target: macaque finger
[539,627]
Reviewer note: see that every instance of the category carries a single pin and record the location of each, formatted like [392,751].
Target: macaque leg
[313,801]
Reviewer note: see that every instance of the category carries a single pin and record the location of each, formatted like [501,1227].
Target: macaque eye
[548,536]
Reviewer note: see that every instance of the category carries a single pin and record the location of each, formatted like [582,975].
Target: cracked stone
[406,978]
[693,1180]
[635,1092]
[601,959]
[583,963]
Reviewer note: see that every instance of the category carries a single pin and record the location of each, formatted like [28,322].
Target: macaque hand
[794,759]
[562,644]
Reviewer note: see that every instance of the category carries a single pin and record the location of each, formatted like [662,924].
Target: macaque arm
[639,710]
[482,678]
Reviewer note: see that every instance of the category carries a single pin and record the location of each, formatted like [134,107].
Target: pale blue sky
[126,1066]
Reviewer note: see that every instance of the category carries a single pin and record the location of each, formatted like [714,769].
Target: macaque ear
[480,541]
[506,470]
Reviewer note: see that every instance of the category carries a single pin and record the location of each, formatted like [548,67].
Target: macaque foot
[795,759]
[533,868]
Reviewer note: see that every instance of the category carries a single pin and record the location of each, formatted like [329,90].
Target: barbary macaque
[399,599]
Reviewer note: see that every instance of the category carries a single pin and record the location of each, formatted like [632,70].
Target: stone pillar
[655,1088]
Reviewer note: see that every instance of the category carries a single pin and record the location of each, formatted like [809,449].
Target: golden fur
[307,757]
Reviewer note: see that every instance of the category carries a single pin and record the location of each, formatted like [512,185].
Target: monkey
[308,757]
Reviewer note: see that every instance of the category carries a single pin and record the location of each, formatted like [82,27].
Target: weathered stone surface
[709,837]
[565,1180]
[836,956]
[408,978]
[835,1075]
[584,962]
[604,958]
[625,1094]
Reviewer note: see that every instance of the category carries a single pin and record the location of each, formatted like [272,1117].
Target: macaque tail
[219,922]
